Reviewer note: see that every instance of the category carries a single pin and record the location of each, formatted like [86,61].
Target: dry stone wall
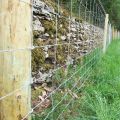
[73,38]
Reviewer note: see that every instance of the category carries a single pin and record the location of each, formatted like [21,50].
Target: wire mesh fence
[78,28]
[67,43]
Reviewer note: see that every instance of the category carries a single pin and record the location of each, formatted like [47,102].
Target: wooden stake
[15,33]
[113,33]
[110,32]
[105,33]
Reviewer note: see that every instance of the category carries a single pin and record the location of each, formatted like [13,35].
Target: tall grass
[101,98]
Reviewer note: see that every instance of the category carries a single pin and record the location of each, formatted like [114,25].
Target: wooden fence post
[105,33]
[118,34]
[15,59]
[113,34]
[109,34]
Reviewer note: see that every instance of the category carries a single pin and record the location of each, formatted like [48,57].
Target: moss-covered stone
[52,3]
[61,56]
[38,58]
[37,92]
[36,34]
[65,24]
[48,66]
[50,26]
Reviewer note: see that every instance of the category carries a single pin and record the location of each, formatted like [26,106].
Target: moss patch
[49,26]
[36,93]
[61,56]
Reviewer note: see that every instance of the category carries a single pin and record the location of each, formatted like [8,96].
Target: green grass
[101,98]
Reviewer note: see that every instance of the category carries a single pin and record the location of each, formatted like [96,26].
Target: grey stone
[73,30]
[46,34]
[37,26]
[46,48]
[46,55]
[63,37]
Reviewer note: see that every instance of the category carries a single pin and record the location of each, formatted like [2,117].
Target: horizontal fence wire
[88,75]
[82,85]
[67,80]
[11,93]
[29,2]
[67,93]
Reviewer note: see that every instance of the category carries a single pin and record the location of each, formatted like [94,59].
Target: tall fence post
[15,59]
[109,34]
[118,34]
[105,33]
[113,33]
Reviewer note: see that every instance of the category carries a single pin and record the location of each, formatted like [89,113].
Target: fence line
[95,20]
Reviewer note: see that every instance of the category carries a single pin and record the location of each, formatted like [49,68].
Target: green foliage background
[112,7]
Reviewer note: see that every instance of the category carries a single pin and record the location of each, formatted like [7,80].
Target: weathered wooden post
[118,34]
[113,33]
[110,34]
[15,58]
[105,33]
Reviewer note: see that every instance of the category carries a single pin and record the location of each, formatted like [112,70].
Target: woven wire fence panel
[67,43]
[68,48]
